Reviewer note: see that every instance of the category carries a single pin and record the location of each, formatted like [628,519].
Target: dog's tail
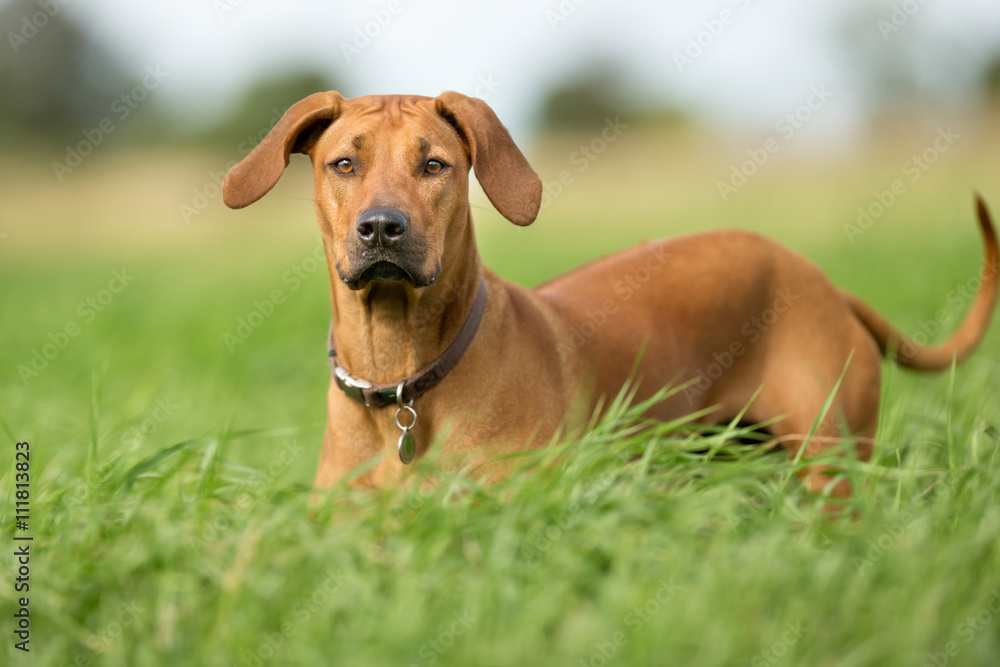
[939,357]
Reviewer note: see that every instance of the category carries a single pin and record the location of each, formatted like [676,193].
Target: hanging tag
[407,444]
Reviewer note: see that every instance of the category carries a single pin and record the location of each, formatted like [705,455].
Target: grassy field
[170,473]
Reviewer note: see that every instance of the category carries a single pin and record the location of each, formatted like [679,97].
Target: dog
[479,366]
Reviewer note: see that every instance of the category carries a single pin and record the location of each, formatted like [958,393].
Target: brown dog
[421,327]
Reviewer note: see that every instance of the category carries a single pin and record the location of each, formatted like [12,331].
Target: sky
[739,63]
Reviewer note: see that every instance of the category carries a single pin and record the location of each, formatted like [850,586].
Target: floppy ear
[296,132]
[506,177]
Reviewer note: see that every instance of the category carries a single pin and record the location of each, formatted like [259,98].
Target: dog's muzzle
[385,249]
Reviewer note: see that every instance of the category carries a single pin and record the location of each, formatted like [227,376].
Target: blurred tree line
[599,90]
[57,82]
[54,79]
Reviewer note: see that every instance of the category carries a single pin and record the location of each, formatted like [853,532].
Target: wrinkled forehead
[401,123]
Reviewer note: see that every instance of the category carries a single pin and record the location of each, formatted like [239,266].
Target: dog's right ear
[296,132]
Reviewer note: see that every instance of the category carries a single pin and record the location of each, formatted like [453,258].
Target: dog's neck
[390,330]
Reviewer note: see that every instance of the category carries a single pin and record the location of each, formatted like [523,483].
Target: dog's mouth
[403,265]
[386,271]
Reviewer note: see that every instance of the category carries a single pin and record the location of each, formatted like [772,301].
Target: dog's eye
[344,166]
[434,167]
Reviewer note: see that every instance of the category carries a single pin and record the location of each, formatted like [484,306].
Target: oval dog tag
[407,447]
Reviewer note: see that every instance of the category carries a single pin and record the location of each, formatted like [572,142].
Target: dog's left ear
[296,132]
[506,177]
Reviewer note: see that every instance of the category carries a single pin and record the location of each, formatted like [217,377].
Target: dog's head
[392,177]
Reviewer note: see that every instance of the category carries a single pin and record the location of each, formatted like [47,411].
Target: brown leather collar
[401,393]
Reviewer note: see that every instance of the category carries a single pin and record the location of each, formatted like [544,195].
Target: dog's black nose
[382,226]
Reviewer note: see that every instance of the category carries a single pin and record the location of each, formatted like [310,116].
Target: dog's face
[391,177]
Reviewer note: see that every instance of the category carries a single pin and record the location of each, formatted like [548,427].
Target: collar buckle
[351,386]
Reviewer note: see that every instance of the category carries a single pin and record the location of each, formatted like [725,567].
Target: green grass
[171,509]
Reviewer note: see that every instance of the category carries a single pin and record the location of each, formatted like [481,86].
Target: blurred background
[150,335]
[854,131]
[153,101]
